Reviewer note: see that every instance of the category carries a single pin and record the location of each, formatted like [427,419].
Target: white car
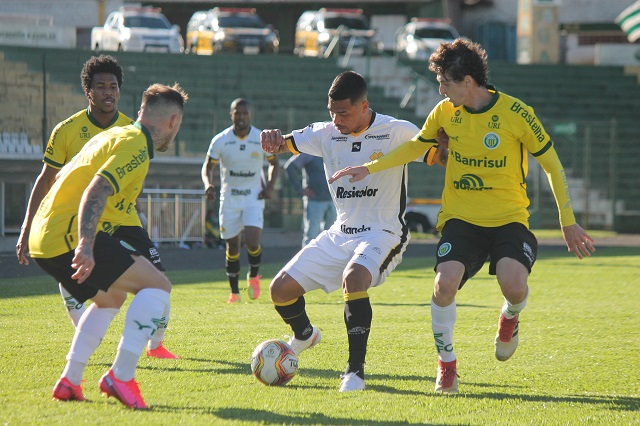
[416,40]
[137,29]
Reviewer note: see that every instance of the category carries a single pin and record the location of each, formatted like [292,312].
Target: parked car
[137,29]
[193,27]
[316,29]
[231,30]
[416,40]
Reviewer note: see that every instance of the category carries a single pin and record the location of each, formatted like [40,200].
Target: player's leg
[252,235]
[512,257]
[152,292]
[373,257]
[139,239]
[253,222]
[230,229]
[461,253]
[74,308]
[357,319]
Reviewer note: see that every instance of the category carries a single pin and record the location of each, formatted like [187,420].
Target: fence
[173,215]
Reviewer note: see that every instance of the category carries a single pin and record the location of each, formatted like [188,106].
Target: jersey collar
[373,118]
[97,124]
[490,105]
[144,130]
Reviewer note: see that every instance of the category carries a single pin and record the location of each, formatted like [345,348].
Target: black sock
[357,318]
[295,315]
[233,270]
[254,261]
[357,368]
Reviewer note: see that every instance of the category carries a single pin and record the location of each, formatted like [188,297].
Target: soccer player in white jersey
[242,193]
[484,202]
[367,240]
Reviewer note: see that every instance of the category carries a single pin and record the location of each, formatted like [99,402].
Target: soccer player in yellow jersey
[101,78]
[73,240]
[484,202]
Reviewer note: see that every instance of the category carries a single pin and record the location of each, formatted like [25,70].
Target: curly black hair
[461,57]
[100,64]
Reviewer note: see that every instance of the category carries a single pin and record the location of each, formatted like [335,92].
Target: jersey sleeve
[558,181]
[308,140]
[55,155]
[214,148]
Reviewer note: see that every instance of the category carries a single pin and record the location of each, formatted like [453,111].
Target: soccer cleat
[126,392]
[161,352]
[507,338]
[302,345]
[351,382]
[447,378]
[253,286]
[64,390]
[233,298]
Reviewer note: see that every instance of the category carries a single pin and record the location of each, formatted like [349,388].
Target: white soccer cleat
[351,382]
[302,345]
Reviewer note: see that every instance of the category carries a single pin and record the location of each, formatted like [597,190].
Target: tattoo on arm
[92,206]
[444,156]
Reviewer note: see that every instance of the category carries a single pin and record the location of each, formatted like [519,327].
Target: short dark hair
[160,94]
[459,58]
[240,102]
[348,85]
[100,64]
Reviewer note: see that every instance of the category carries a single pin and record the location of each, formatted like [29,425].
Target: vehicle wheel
[120,49]
[418,222]
[96,47]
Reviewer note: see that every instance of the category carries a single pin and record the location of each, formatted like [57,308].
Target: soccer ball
[274,362]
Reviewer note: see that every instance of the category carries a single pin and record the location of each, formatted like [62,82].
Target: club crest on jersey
[356,146]
[444,249]
[376,154]
[243,147]
[491,140]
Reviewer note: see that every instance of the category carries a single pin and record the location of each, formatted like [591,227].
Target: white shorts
[321,263]
[234,219]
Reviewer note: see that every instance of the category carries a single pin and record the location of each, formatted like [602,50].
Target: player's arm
[272,176]
[92,204]
[208,167]
[576,238]
[43,184]
[403,154]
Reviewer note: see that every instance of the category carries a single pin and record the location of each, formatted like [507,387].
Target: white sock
[158,336]
[442,321]
[89,333]
[74,309]
[509,311]
[143,316]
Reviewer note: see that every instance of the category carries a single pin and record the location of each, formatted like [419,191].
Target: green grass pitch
[578,361]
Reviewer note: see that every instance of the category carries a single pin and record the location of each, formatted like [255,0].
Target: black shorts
[112,257]
[138,238]
[472,245]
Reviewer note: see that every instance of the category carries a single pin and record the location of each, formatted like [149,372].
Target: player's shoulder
[393,123]
[74,120]
[224,134]
[123,120]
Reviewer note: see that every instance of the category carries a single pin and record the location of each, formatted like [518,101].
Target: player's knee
[446,286]
[283,288]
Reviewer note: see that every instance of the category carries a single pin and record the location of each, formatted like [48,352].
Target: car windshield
[352,23]
[240,21]
[434,33]
[146,22]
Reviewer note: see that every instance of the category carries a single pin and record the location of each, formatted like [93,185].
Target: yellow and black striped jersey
[121,155]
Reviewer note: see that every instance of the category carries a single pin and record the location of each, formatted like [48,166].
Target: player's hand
[83,262]
[265,194]
[578,241]
[272,140]
[22,247]
[309,193]
[357,173]
[210,193]
[442,138]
